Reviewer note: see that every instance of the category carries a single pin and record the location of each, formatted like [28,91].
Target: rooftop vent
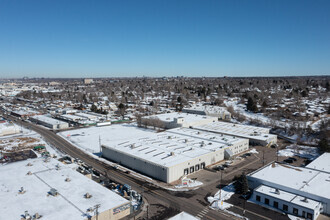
[169,137]
[27,216]
[132,146]
[29,173]
[29,164]
[172,154]
[21,191]
[67,179]
[186,140]
[277,191]
[87,196]
[37,216]
[53,192]
[304,200]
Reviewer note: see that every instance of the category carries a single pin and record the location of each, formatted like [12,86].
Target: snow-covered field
[300,151]
[89,138]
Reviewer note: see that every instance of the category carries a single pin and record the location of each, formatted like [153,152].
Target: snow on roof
[88,138]
[6,126]
[28,112]
[225,139]
[321,163]
[207,108]
[69,204]
[168,117]
[183,216]
[288,197]
[245,131]
[298,178]
[72,117]
[84,115]
[48,120]
[172,147]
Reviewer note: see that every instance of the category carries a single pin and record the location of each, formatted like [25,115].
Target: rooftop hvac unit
[132,146]
[53,192]
[87,196]
[29,173]
[304,200]
[169,137]
[67,179]
[185,140]
[172,154]
[277,191]
[27,215]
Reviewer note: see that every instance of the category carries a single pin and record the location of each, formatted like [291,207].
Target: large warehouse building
[176,119]
[209,110]
[49,122]
[303,192]
[170,155]
[256,135]
[55,191]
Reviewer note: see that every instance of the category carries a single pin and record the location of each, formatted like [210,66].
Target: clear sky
[96,38]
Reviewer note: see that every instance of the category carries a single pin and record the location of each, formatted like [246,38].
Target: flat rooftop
[245,131]
[69,204]
[288,197]
[88,138]
[73,117]
[172,147]
[183,216]
[298,178]
[207,108]
[189,118]
[48,120]
[321,163]
[85,115]
[206,136]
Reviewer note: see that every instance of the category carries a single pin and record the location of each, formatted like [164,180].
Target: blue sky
[95,38]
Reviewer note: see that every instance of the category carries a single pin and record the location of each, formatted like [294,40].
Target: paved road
[162,203]
[175,201]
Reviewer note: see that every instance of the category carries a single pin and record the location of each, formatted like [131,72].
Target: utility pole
[100,145]
[97,206]
[263,157]
[277,152]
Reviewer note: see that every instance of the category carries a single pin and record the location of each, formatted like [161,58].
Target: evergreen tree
[251,105]
[324,145]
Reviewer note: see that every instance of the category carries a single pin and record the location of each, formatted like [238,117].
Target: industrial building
[170,155]
[24,114]
[52,190]
[256,135]
[209,110]
[49,122]
[177,119]
[7,128]
[303,192]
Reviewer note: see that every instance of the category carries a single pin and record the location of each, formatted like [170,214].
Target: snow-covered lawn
[300,151]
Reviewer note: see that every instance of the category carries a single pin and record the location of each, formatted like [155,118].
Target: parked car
[292,158]
[288,161]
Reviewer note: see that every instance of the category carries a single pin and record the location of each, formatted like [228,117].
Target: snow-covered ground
[189,183]
[217,201]
[89,139]
[300,151]
[27,138]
